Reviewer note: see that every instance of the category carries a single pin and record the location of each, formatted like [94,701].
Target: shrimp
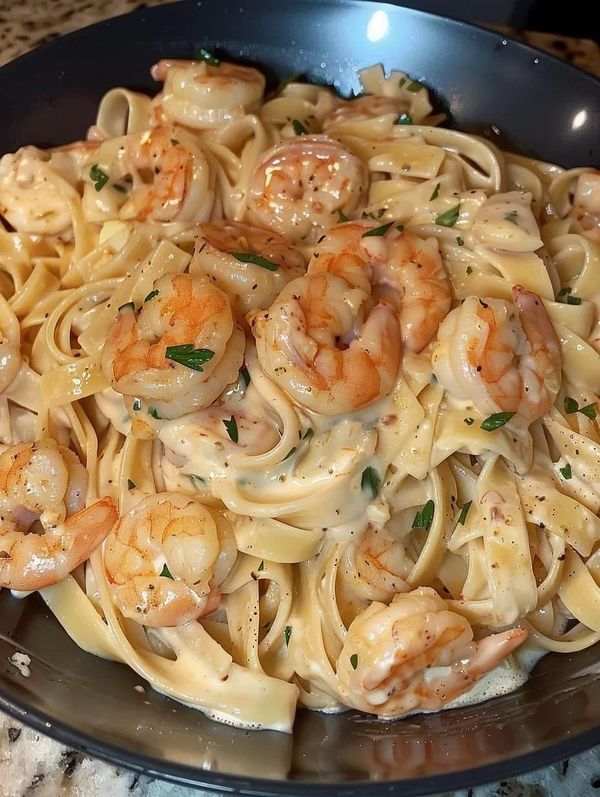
[501,356]
[164,563]
[300,185]
[203,95]
[375,566]
[364,108]
[386,664]
[251,264]
[45,532]
[308,344]
[180,351]
[405,268]
[30,199]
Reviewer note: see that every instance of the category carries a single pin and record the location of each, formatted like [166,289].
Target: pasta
[299,396]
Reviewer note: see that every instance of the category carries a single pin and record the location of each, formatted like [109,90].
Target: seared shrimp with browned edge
[45,531]
[391,659]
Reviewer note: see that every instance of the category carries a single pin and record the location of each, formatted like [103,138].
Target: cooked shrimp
[314,343]
[300,185]
[45,532]
[180,351]
[202,95]
[385,666]
[406,268]
[501,356]
[30,200]
[161,558]
[375,565]
[251,264]
[363,108]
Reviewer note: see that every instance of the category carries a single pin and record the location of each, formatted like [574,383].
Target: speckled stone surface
[32,764]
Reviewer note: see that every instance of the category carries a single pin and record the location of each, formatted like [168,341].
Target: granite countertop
[31,763]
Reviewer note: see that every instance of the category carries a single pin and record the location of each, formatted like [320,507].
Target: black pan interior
[540,106]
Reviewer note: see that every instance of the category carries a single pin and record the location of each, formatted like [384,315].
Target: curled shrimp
[248,263]
[30,200]
[501,356]
[202,95]
[375,566]
[45,531]
[180,351]
[405,269]
[385,666]
[162,176]
[364,108]
[300,185]
[314,343]
[164,560]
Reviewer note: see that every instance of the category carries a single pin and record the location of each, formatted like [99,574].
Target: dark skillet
[541,106]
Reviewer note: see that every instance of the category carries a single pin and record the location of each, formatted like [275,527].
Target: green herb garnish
[370,480]
[154,413]
[174,142]
[589,411]
[460,241]
[151,295]
[232,429]
[464,512]
[566,472]
[98,177]
[571,405]
[187,355]
[414,86]
[400,227]
[342,217]
[565,291]
[435,193]
[204,55]
[573,300]
[354,660]
[256,260]
[469,421]
[289,453]
[511,216]
[245,374]
[166,573]
[404,119]
[450,217]
[377,231]
[137,405]
[469,270]
[131,485]
[261,566]
[496,420]
[299,128]
[287,634]
[424,518]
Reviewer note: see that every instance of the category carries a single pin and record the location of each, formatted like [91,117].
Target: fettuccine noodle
[299,396]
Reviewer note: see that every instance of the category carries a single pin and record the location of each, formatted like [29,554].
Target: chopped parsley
[354,660]
[469,270]
[261,566]
[204,55]
[414,86]
[289,453]
[245,374]
[496,420]
[402,81]
[187,355]
[464,512]
[342,217]
[573,299]
[404,119]
[589,410]
[166,573]
[450,217]
[174,142]
[400,227]
[256,260]
[377,231]
[151,295]
[565,291]
[424,518]
[232,429]
[299,128]
[131,485]
[566,472]
[469,421]
[287,634]
[370,480]
[460,241]
[137,405]
[571,405]
[154,413]
[511,216]
[435,193]
[98,177]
